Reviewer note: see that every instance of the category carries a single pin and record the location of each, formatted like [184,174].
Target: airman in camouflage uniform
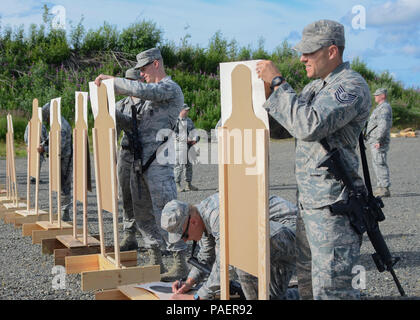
[66,161]
[335,107]
[163,100]
[127,179]
[183,143]
[204,226]
[43,139]
[378,136]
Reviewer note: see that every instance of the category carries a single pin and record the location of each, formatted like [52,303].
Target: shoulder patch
[344,97]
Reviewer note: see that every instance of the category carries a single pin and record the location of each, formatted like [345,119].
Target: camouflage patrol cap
[174,215]
[147,56]
[320,34]
[132,74]
[380,91]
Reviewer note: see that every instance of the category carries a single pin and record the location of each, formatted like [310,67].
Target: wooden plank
[110,279]
[10,206]
[47,225]
[70,242]
[78,264]
[134,293]
[113,294]
[49,245]
[61,254]
[27,229]
[38,235]
[128,258]
[223,209]
[19,220]
[30,212]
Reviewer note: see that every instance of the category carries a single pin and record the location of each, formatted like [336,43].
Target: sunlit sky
[387,39]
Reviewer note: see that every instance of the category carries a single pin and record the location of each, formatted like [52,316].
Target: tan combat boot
[382,192]
[179,188]
[190,187]
[179,269]
[156,258]
[129,242]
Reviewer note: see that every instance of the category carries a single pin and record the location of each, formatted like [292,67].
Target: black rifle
[234,286]
[364,210]
[135,147]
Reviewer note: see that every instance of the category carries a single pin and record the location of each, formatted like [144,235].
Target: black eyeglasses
[185,234]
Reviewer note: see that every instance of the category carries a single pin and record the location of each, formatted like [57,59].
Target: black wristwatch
[196,297]
[276,82]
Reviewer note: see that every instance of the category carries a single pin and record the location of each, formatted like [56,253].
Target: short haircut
[340,50]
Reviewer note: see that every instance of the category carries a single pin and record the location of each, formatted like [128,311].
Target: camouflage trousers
[282,262]
[66,180]
[327,250]
[157,187]
[380,166]
[182,165]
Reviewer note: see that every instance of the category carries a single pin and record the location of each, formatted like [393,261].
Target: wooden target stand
[71,245]
[30,215]
[10,202]
[243,176]
[52,227]
[107,270]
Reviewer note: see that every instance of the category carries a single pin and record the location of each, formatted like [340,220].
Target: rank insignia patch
[343,97]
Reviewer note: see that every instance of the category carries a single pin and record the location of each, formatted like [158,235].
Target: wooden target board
[103,108]
[243,175]
[82,172]
[55,144]
[34,138]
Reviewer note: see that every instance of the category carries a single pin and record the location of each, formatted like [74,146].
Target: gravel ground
[25,273]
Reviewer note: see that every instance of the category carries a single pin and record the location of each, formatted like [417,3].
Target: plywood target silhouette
[11,199]
[34,137]
[55,146]
[243,176]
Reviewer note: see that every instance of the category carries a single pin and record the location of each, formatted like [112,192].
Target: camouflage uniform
[282,248]
[66,159]
[43,139]
[182,130]
[335,108]
[126,176]
[378,131]
[162,104]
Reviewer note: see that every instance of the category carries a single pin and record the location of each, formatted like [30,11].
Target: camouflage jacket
[162,103]
[379,125]
[282,214]
[182,130]
[335,108]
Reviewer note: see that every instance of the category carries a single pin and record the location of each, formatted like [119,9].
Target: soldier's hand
[377,145]
[41,149]
[184,287]
[267,70]
[177,296]
[101,77]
